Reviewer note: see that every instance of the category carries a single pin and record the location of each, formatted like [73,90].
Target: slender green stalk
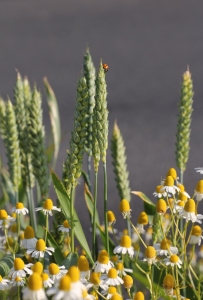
[31,208]
[46,228]
[105,208]
[72,217]
[94,217]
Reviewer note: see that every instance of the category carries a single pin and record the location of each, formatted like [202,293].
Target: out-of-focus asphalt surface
[147,44]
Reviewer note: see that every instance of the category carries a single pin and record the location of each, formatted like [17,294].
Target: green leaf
[58,256]
[90,203]
[149,206]
[6,264]
[70,260]
[65,203]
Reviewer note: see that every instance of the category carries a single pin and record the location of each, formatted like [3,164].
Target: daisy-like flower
[112,278]
[20,269]
[142,220]
[172,172]
[196,236]
[103,264]
[40,249]
[111,218]
[95,282]
[159,192]
[124,208]
[168,284]
[48,207]
[116,296]
[199,191]
[150,254]
[165,248]
[127,282]
[5,219]
[178,207]
[20,209]
[34,289]
[63,291]
[121,270]
[161,207]
[125,246]
[182,190]
[83,266]
[47,282]
[188,212]
[109,292]
[18,281]
[29,240]
[199,170]
[173,260]
[169,186]
[139,296]
[38,268]
[55,272]
[4,283]
[65,227]
[76,285]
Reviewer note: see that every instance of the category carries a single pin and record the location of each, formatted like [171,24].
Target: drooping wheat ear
[73,165]
[2,114]
[12,145]
[184,122]
[37,143]
[89,72]
[100,119]
[119,164]
[22,115]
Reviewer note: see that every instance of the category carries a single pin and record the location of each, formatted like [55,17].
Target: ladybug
[105,67]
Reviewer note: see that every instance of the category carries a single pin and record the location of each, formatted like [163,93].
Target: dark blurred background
[147,45]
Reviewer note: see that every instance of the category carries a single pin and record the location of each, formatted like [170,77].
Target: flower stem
[105,208]
[72,218]
[46,229]
[94,217]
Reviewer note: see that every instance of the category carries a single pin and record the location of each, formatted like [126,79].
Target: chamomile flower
[125,246]
[178,207]
[142,220]
[172,172]
[20,209]
[121,270]
[111,218]
[112,278]
[40,249]
[103,264]
[5,219]
[139,296]
[95,282]
[196,236]
[109,292]
[182,190]
[159,192]
[127,282]
[20,269]
[169,186]
[173,260]
[34,289]
[199,170]
[48,207]
[83,266]
[4,283]
[47,282]
[65,227]
[29,240]
[168,284]
[55,272]
[63,291]
[165,248]
[199,191]
[161,207]
[188,212]
[18,281]
[124,208]
[150,254]
[38,268]
[76,285]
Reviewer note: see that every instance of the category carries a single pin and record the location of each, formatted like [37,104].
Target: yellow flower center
[13,215]
[53,269]
[112,273]
[182,197]
[120,266]
[125,241]
[125,231]
[29,233]
[74,274]
[3,214]
[139,296]
[143,218]
[65,283]
[181,187]
[48,204]
[83,264]
[174,258]
[66,224]
[161,206]
[169,181]
[196,230]
[110,216]
[171,202]
[1,278]
[112,290]
[127,281]
[40,245]
[37,267]
[167,216]
[190,206]
[124,206]
[181,203]
[17,279]
[18,264]
[116,296]
[35,282]
[95,278]
[159,188]
[84,294]
[199,187]
[114,258]
[168,282]
[44,276]
[150,252]
[103,257]
[172,172]
[165,244]
[19,205]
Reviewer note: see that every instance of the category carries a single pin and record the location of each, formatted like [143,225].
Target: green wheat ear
[184,122]
[119,164]
[2,115]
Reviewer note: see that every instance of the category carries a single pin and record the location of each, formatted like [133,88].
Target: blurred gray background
[147,44]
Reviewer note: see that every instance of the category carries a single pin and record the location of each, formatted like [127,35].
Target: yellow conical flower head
[48,204]
[29,233]
[159,188]
[103,257]
[199,187]
[83,264]
[181,187]
[74,273]
[127,281]
[18,264]
[167,216]
[3,214]
[190,206]
[111,216]
[174,258]
[161,206]
[40,245]
[125,231]
[53,269]
[35,282]
[66,224]
[143,218]
[169,181]
[182,197]
[139,296]
[95,278]
[37,267]
[196,230]
[165,244]
[112,273]
[44,276]
[125,241]
[116,296]
[19,205]
[172,172]
[124,206]
[114,258]
[150,252]
[181,203]
[112,290]
[65,283]
[119,266]
[168,282]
